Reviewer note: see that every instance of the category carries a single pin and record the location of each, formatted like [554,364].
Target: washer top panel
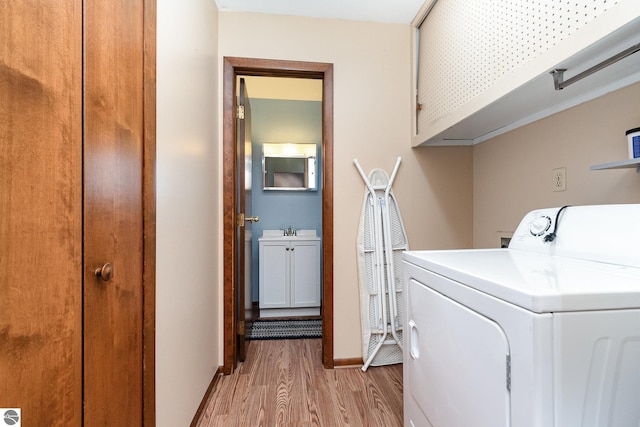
[538,282]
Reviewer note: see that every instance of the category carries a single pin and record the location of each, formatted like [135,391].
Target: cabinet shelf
[622,164]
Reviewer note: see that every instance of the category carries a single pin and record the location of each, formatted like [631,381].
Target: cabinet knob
[105,272]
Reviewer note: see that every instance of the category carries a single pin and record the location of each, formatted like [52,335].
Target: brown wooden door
[71,84]
[41,210]
[245,312]
[113,132]
[243,111]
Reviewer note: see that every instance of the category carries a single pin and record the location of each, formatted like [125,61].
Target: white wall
[187,341]
[372,123]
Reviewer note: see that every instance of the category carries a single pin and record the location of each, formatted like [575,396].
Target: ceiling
[389,11]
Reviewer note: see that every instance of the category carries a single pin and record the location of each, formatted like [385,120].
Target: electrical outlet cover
[560,179]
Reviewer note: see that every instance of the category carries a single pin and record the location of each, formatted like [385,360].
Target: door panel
[113,131]
[305,274]
[240,226]
[42,274]
[40,210]
[244,296]
[275,275]
[457,362]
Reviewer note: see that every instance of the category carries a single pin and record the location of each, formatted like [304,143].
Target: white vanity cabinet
[289,275]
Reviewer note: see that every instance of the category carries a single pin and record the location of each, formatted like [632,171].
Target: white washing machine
[543,333]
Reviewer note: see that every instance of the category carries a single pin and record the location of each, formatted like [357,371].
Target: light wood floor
[283,383]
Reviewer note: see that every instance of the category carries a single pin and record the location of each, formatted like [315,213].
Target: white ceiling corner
[387,11]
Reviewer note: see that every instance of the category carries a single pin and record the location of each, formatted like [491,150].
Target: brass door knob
[252,218]
[105,272]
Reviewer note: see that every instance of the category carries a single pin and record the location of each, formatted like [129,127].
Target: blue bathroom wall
[291,122]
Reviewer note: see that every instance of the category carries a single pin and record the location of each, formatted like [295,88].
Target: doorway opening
[234,67]
[282,130]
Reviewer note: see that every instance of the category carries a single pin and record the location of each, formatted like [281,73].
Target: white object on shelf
[289,274]
[633,137]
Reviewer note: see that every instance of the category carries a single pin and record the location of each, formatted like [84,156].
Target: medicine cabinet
[290,167]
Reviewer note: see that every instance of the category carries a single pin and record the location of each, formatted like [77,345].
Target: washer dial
[540,225]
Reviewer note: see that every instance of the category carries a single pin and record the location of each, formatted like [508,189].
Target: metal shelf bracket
[558,73]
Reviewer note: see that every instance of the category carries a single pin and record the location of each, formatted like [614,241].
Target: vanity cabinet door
[305,274]
[274,275]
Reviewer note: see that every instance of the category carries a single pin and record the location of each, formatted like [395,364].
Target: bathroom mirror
[290,167]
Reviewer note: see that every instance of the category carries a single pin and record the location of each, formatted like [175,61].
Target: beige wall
[187,344]
[513,172]
[371,123]
[442,191]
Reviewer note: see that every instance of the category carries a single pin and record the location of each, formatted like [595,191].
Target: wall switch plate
[560,179]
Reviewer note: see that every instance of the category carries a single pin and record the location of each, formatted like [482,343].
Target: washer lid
[540,283]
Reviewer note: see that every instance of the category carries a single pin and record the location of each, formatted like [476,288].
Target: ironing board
[381,296]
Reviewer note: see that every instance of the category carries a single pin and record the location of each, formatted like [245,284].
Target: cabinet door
[71,103]
[40,210]
[113,135]
[305,274]
[274,275]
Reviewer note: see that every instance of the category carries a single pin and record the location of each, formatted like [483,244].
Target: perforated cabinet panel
[466,46]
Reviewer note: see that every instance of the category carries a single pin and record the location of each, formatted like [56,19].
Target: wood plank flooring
[283,383]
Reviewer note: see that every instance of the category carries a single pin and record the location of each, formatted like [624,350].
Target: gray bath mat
[285,329]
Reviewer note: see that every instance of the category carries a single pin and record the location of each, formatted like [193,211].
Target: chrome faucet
[290,231]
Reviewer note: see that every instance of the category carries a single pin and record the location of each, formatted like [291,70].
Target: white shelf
[623,164]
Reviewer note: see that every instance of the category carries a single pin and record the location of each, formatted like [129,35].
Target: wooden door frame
[149,216]
[234,66]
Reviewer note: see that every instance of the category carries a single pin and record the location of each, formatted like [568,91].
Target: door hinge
[508,372]
[240,219]
[241,327]
[240,112]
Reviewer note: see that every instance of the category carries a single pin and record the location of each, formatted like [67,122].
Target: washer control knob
[540,225]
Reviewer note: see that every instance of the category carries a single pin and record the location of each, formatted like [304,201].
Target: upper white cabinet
[482,68]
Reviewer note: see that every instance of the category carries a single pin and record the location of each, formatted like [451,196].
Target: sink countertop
[279,235]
